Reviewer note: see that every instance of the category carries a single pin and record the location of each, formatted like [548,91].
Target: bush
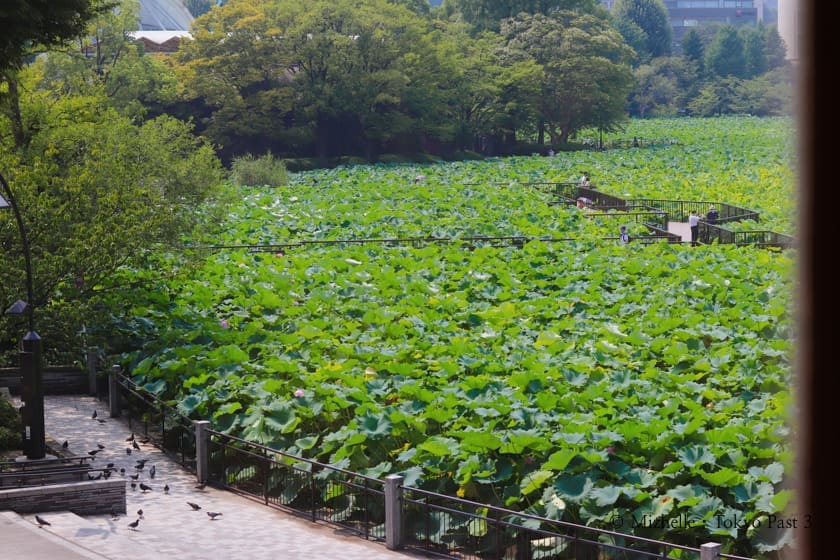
[301,164]
[257,172]
[394,158]
[10,426]
[350,160]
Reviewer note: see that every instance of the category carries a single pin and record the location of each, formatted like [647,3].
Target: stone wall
[82,498]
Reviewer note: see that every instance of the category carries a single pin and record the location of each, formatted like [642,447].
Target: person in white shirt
[623,236]
[694,224]
[584,181]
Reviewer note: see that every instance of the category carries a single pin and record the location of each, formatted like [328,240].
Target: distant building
[685,14]
[160,41]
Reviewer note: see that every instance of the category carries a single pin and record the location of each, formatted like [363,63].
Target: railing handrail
[295,458]
[566,524]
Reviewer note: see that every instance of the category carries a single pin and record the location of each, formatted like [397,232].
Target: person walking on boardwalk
[694,224]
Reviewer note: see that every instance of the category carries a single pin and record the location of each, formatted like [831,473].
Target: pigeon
[128,451]
[195,507]
[200,486]
[134,445]
[133,525]
[100,446]
[94,452]
[122,471]
[140,513]
[145,488]
[114,513]
[142,462]
[166,489]
[41,521]
[101,420]
[109,466]
[130,438]
[152,472]
[213,515]
[94,415]
[133,485]
[65,445]
[134,476]
[144,441]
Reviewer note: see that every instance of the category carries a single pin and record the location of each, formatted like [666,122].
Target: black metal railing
[308,488]
[764,238]
[157,421]
[437,524]
[679,210]
[450,527]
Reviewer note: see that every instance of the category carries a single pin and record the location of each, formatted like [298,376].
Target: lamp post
[31,371]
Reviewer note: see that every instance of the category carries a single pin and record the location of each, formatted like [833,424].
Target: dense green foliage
[11,428]
[259,171]
[33,26]
[581,380]
[96,191]
[651,18]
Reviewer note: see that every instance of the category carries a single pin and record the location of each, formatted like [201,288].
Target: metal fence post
[710,551]
[92,355]
[201,450]
[393,511]
[114,392]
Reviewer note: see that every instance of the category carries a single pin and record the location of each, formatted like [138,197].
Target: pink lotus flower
[610,450]
[224,324]
[299,393]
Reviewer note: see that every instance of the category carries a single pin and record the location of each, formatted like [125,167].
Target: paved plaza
[169,527]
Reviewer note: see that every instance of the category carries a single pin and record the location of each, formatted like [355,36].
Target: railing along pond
[386,510]
[149,416]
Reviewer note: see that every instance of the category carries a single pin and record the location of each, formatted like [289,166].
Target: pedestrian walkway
[680,228]
[169,527]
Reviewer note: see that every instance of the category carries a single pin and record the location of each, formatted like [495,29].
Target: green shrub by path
[10,426]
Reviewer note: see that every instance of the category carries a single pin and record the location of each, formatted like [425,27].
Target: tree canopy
[651,17]
[29,25]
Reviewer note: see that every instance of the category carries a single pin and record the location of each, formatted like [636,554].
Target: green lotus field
[581,380]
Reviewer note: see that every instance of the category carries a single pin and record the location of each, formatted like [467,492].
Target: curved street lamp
[31,371]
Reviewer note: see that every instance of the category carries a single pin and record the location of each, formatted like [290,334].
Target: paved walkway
[680,228]
[169,527]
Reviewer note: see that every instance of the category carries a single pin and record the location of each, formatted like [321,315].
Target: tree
[100,192]
[693,49]
[725,56]
[31,26]
[774,47]
[487,14]
[755,56]
[636,38]
[586,69]
[663,87]
[651,17]
[326,77]
[717,98]
[108,57]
